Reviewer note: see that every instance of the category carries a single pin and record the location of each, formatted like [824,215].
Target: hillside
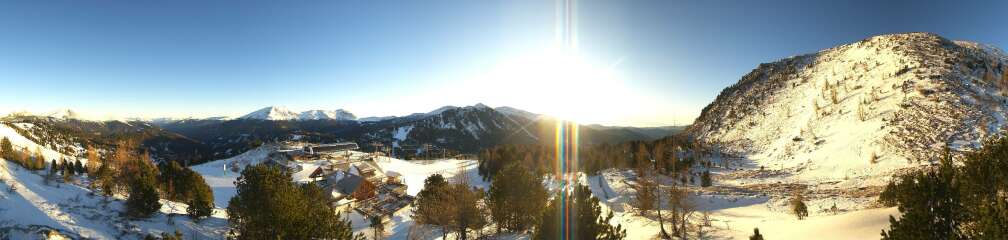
[454,129]
[30,207]
[71,136]
[863,110]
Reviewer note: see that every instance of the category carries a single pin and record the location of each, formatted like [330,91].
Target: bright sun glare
[563,84]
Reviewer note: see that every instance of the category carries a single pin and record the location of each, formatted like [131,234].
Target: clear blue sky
[210,58]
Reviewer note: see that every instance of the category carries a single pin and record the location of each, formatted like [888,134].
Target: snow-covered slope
[514,112]
[338,114]
[274,113]
[861,110]
[30,207]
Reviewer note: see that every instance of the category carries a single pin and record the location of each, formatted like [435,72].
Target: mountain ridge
[861,110]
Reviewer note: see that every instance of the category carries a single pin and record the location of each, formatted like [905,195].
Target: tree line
[516,202]
[126,172]
[964,200]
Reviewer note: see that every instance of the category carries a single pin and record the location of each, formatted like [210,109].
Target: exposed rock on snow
[861,110]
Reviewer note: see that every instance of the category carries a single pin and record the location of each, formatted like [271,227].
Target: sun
[563,84]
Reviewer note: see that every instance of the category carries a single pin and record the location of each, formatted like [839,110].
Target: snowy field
[73,211]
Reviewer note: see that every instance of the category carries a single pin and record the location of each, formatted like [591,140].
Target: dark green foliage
[925,197]
[201,206]
[585,218]
[79,167]
[953,202]
[6,149]
[269,206]
[143,195]
[54,167]
[705,180]
[517,198]
[68,168]
[431,202]
[452,206]
[176,236]
[103,180]
[536,158]
[182,184]
[756,235]
[61,135]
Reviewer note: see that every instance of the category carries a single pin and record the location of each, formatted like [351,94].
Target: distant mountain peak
[64,114]
[275,113]
[514,112]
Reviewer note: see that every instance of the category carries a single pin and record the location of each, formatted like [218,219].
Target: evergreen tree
[79,167]
[431,203]
[931,202]
[269,206]
[705,179]
[104,181]
[199,207]
[378,226]
[467,213]
[67,170]
[6,149]
[585,218]
[53,167]
[517,198]
[142,188]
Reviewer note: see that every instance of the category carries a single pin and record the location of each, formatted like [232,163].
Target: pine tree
[53,167]
[268,205]
[6,149]
[378,226]
[199,207]
[930,202]
[467,213]
[585,218]
[705,179]
[67,170]
[517,198]
[79,167]
[431,203]
[142,188]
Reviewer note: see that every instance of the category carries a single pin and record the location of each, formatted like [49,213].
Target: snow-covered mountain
[510,111]
[338,114]
[64,114]
[864,109]
[274,113]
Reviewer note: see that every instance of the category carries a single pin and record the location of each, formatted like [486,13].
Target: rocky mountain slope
[861,110]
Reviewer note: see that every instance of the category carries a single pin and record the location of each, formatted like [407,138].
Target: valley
[806,147]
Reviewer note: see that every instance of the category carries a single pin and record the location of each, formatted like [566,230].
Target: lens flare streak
[566,172]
